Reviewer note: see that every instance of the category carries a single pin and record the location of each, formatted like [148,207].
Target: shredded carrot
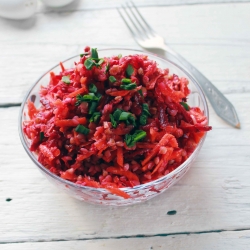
[62,67]
[118,192]
[53,79]
[83,81]
[78,92]
[151,155]
[164,160]
[120,156]
[90,183]
[131,176]
[32,110]
[71,122]
[132,134]
[81,157]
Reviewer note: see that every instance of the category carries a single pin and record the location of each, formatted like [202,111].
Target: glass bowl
[138,193]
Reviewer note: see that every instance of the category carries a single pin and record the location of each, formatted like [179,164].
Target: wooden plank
[208,241]
[212,196]
[96,4]
[29,48]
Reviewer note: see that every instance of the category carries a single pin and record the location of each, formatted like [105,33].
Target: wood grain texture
[96,4]
[212,196]
[212,201]
[214,39]
[211,241]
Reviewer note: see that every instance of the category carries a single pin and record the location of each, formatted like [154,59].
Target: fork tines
[134,20]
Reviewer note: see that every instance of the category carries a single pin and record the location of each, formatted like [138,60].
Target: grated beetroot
[81,141]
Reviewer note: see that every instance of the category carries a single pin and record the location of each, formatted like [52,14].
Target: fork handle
[221,105]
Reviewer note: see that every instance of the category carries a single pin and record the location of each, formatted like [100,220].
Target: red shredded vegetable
[114,122]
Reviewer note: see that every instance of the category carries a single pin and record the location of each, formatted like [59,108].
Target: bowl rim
[125,189]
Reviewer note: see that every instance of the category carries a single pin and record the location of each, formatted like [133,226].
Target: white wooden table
[212,202]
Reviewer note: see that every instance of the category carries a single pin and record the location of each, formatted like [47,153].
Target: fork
[148,39]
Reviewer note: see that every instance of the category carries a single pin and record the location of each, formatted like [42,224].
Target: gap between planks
[132,236]
[10,105]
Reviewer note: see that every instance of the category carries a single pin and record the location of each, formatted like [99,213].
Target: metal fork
[148,39]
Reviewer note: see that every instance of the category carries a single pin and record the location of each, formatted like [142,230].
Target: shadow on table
[74,6]
[30,22]
[20,24]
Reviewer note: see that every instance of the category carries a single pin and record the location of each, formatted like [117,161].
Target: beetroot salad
[114,122]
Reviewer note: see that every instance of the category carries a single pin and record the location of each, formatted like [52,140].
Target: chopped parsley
[95,117]
[66,79]
[94,53]
[113,121]
[112,79]
[41,136]
[122,116]
[185,105]
[82,130]
[129,70]
[92,88]
[145,114]
[131,140]
[107,67]
[93,60]
[127,84]
[140,92]
[93,106]
[91,97]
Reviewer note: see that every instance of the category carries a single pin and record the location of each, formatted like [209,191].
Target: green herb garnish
[107,67]
[95,117]
[145,109]
[120,115]
[185,105]
[131,120]
[41,136]
[113,121]
[143,120]
[89,63]
[131,140]
[115,117]
[86,98]
[66,79]
[140,92]
[81,129]
[92,88]
[124,116]
[126,81]
[112,79]
[119,56]
[128,86]
[127,117]
[92,107]
[94,53]
[98,95]
[145,114]
[100,61]
[117,114]
[129,70]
